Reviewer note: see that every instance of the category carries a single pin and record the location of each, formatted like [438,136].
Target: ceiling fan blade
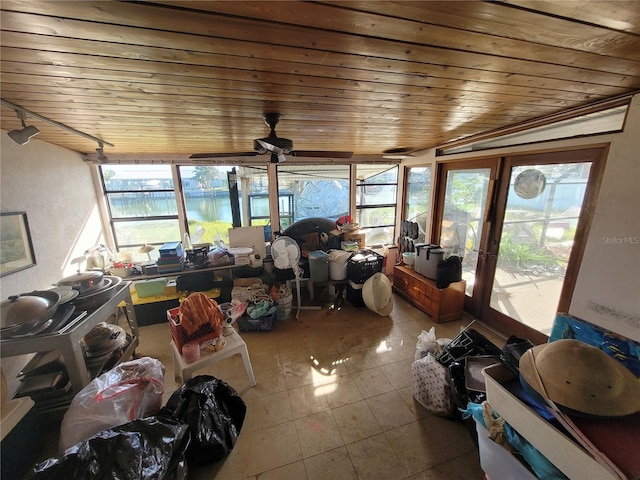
[326,154]
[270,147]
[223,155]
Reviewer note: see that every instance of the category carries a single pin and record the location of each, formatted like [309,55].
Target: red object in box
[179,335]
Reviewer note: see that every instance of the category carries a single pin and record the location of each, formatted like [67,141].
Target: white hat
[377,294]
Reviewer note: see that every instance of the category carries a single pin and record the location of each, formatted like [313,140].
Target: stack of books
[171,258]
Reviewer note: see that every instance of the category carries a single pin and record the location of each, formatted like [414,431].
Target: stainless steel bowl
[27,311]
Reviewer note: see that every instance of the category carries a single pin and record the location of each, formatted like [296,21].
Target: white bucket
[338,261]
[283,307]
[409,259]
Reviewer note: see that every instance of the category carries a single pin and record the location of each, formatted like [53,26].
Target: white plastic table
[234,345]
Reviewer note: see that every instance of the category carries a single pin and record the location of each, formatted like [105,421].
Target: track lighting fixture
[23,136]
[100,151]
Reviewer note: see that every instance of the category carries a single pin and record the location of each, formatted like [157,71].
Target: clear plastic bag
[428,343]
[128,391]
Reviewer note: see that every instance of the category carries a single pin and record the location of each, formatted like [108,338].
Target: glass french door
[463,218]
[520,222]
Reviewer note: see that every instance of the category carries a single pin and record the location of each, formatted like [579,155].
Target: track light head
[23,136]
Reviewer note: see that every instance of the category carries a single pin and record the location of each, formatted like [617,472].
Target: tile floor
[333,400]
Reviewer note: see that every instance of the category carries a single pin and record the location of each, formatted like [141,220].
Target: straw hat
[376,293]
[580,379]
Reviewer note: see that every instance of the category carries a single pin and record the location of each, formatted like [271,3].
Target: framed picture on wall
[16,249]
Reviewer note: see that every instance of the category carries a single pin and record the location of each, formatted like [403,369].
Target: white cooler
[427,259]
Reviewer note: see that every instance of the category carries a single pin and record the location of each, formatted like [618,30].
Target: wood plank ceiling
[179,77]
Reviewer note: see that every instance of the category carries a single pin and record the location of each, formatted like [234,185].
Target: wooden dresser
[443,305]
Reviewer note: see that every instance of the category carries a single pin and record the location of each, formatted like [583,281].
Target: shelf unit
[68,342]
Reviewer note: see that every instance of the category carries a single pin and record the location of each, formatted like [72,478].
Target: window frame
[113,221]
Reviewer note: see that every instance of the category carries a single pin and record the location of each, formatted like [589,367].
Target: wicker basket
[179,335]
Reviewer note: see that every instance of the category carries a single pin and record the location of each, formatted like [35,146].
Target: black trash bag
[214,413]
[459,393]
[144,448]
[448,271]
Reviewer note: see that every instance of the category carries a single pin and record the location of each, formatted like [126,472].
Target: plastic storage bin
[363,265]
[319,266]
[354,294]
[151,287]
[497,462]
[338,260]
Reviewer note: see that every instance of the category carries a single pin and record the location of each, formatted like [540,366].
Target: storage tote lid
[318,255]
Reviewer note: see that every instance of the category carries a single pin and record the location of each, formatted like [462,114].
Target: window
[142,204]
[210,203]
[308,191]
[417,206]
[376,200]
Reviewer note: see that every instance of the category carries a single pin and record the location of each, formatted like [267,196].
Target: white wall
[54,186]
[608,287]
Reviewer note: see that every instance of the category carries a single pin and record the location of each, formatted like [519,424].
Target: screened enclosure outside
[308,191]
[417,206]
[543,208]
[462,222]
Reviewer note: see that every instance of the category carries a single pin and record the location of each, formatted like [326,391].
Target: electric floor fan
[286,254]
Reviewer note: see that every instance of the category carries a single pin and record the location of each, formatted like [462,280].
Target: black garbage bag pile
[198,426]
[150,447]
[214,413]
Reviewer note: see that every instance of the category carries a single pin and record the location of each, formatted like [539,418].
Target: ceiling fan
[398,153]
[277,147]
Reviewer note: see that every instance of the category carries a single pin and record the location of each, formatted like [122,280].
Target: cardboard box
[242,288]
[559,449]
[171,288]
[171,249]
[355,237]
